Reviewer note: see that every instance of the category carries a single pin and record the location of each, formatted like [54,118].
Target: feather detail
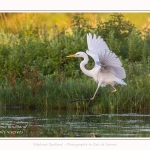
[99,51]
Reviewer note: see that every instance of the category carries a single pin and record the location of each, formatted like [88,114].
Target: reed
[47,93]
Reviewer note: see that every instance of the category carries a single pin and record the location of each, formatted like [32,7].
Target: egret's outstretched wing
[93,45]
[108,58]
[101,54]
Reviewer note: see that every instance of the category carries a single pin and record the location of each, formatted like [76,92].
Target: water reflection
[36,123]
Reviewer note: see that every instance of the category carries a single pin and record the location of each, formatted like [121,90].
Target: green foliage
[80,24]
[114,44]
[34,68]
[36,47]
[147,43]
[120,28]
[35,91]
[136,50]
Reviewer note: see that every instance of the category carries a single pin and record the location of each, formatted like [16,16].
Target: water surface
[39,123]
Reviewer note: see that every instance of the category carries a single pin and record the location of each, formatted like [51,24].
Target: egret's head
[78,54]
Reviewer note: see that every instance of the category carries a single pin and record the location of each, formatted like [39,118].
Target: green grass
[54,94]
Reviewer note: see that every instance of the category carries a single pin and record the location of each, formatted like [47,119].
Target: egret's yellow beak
[71,55]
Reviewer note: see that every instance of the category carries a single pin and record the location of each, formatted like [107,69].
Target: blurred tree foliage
[36,47]
[120,29]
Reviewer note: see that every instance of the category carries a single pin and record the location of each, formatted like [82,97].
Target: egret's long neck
[82,66]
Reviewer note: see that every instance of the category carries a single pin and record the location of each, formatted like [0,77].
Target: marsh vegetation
[34,72]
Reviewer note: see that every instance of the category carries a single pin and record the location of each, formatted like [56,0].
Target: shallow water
[36,123]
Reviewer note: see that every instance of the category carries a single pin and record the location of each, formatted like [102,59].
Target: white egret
[108,68]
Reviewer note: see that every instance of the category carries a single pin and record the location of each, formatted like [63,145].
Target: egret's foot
[114,89]
[92,98]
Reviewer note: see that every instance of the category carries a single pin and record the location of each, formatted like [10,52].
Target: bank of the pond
[50,93]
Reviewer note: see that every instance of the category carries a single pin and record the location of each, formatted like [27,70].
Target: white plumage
[108,67]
